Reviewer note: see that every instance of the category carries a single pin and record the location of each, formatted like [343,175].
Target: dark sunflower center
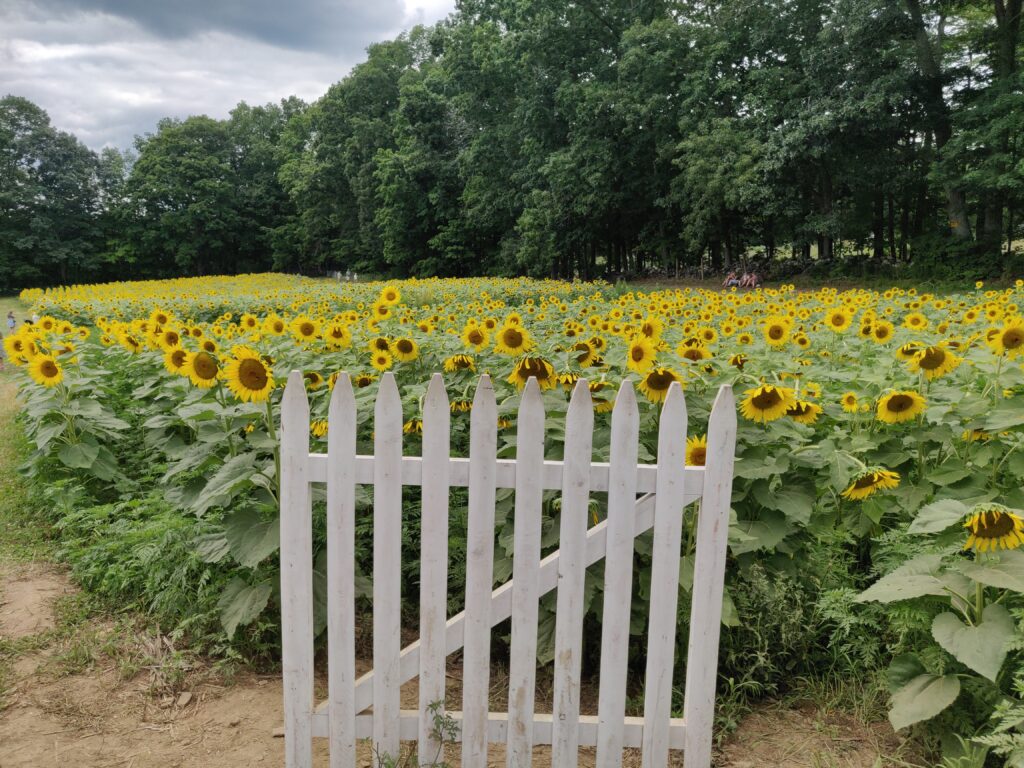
[933,358]
[766,398]
[775,332]
[404,346]
[838,320]
[899,403]
[49,369]
[535,367]
[204,366]
[475,337]
[993,525]
[512,338]
[660,380]
[462,361]
[252,374]
[178,358]
[306,329]
[171,338]
[867,481]
[1013,338]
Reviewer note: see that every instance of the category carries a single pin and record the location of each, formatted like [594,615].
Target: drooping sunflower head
[804,412]
[900,406]
[694,354]
[993,526]
[537,367]
[934,362]
[656,382]
[767,403]
[459,363]
[738,361]
[696,450]
[337,335]
[869,481]
[413,427]
[907,351]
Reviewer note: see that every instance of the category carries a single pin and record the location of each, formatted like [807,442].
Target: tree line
[569,138]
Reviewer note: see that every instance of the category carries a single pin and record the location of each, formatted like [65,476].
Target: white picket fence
[640,497]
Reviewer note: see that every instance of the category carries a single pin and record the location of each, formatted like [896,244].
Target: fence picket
[296,575]
[433,560]
[476,658]
[668,529]
[341,542]
[709,567]
[387,573]
[618,578]
[579,431]
[525,568]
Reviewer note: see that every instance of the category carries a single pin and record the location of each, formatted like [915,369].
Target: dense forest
[571,138]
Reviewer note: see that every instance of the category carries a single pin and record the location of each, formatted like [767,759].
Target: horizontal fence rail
[640,497]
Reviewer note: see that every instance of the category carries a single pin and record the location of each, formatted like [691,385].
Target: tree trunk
[929,62]
[891,224]
[878,227]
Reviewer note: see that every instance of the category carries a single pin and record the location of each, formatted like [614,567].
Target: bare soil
[96,716]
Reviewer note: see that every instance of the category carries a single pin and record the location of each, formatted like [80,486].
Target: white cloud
[106,77]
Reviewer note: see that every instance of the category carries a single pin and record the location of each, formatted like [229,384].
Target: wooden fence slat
[709,569]
[668,529]
[572,563]
[433,561]
[296,575]
[387,573]
[618,578]
[341,565]
[525,567]
[476,659]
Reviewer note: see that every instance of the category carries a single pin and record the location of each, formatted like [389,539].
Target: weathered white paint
[668,488]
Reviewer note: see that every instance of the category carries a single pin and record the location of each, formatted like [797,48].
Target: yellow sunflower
[537,367]
[850,402]
[305,328]
[202,369]
[45,370]
[899,406]
[869,481]
[838,320]
[776,331]
[993,527]
[767,403]
[337,336]
[513,339]
[1009,340]
[694,354]
[459,363]
[882,331]
[655,384]
[405,350]
[247,376]
[696,450]
[381,360]
[934,362]
[475,337]
[640,354]
[804,412]
[915,321]
[175,359]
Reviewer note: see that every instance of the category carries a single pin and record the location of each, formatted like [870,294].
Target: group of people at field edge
[746,280]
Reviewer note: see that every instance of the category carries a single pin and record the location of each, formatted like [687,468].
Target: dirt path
[81,689]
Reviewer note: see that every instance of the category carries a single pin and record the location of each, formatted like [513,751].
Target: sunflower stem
[979,601]
[277,448]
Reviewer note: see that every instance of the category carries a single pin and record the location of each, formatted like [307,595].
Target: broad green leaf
[241,603]
[46,433]
[949,474]
[730,616]
[78,455]
[765,533]
[902,670]
[1005,573]
[922,699]
[251,537]
[212,547]
[1009,413]
[938,516]
[981,647]
[794,502]
[918,577]
[235,472]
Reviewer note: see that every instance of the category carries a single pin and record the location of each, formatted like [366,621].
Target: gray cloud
[107,70]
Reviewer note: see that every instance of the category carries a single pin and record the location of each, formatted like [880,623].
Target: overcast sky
[107,70]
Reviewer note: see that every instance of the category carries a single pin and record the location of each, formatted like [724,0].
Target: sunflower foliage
[873,426]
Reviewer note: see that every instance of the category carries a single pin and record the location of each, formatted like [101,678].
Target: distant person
[730,280]
[35,318]
[11,322]
[745,279]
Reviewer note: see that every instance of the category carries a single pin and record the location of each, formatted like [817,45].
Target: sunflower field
[877,501]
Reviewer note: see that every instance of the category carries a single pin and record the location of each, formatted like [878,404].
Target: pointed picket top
[722,422]
[673,416]
[580,397]
[437,395]
[294,403]
[484,395]
[625,403]
[343,400]
[531,403]
[387,394]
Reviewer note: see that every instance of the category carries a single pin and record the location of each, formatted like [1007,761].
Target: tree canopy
[569,138]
